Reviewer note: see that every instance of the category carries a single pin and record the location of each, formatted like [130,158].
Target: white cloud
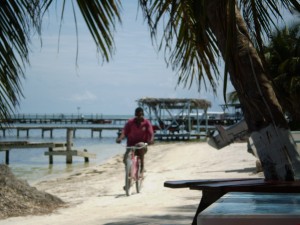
[83,97]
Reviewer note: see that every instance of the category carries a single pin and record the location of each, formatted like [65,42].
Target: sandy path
[95,195]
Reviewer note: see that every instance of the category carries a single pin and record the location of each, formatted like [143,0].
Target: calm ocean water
[32,165]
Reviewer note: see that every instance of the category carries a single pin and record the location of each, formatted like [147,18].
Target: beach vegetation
[283,62]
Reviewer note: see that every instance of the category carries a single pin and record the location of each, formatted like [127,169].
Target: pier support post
[69,144]
[7,157]
[86,159]
[47,129]
[96,130]
[50,156]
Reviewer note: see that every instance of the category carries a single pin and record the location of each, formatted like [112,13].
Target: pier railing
[65,118]
[98,129]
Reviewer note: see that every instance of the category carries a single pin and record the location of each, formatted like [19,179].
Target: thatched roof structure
[176,103]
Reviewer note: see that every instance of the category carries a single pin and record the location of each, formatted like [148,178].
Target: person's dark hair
[138,110]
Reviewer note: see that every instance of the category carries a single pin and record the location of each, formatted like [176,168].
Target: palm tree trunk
[269,129]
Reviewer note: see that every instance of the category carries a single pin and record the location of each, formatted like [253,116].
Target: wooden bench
[214,189]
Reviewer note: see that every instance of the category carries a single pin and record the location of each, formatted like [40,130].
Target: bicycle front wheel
[139,177]
[128,178]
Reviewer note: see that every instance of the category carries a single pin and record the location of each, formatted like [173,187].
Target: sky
[55,83]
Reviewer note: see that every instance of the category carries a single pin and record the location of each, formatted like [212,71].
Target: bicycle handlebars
[140,145]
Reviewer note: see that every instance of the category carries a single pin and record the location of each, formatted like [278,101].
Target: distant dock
[173,127]
[50,129]
[65,119]
[96,119]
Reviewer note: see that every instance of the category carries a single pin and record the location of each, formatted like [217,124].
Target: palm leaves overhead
[189,44]
[262,16]
[187,37]
[17,20]
[20,19]
[100,17]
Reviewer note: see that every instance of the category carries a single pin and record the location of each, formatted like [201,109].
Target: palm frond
[189,45]
[18,20]
[262,17]
[232,97]
[100,17]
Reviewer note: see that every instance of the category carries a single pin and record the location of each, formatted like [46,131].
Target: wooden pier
[159,135]
[50,129]
[68,152]
[62,149]
[64,119]
[183,125]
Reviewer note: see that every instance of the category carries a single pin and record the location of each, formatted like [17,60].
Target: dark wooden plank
[250,185]
[221,184]
[191,183]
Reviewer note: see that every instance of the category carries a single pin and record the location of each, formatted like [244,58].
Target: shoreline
[95,195]
[34,165]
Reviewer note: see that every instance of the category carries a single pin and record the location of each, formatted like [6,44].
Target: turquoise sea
[32,165]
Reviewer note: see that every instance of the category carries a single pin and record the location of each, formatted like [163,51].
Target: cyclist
[136,130]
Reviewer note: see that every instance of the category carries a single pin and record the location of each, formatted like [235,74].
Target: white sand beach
[95,196]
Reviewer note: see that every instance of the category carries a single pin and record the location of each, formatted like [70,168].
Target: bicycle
[133,173]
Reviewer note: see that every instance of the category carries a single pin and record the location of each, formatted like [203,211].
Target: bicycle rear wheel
[128,178]
[139,178]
